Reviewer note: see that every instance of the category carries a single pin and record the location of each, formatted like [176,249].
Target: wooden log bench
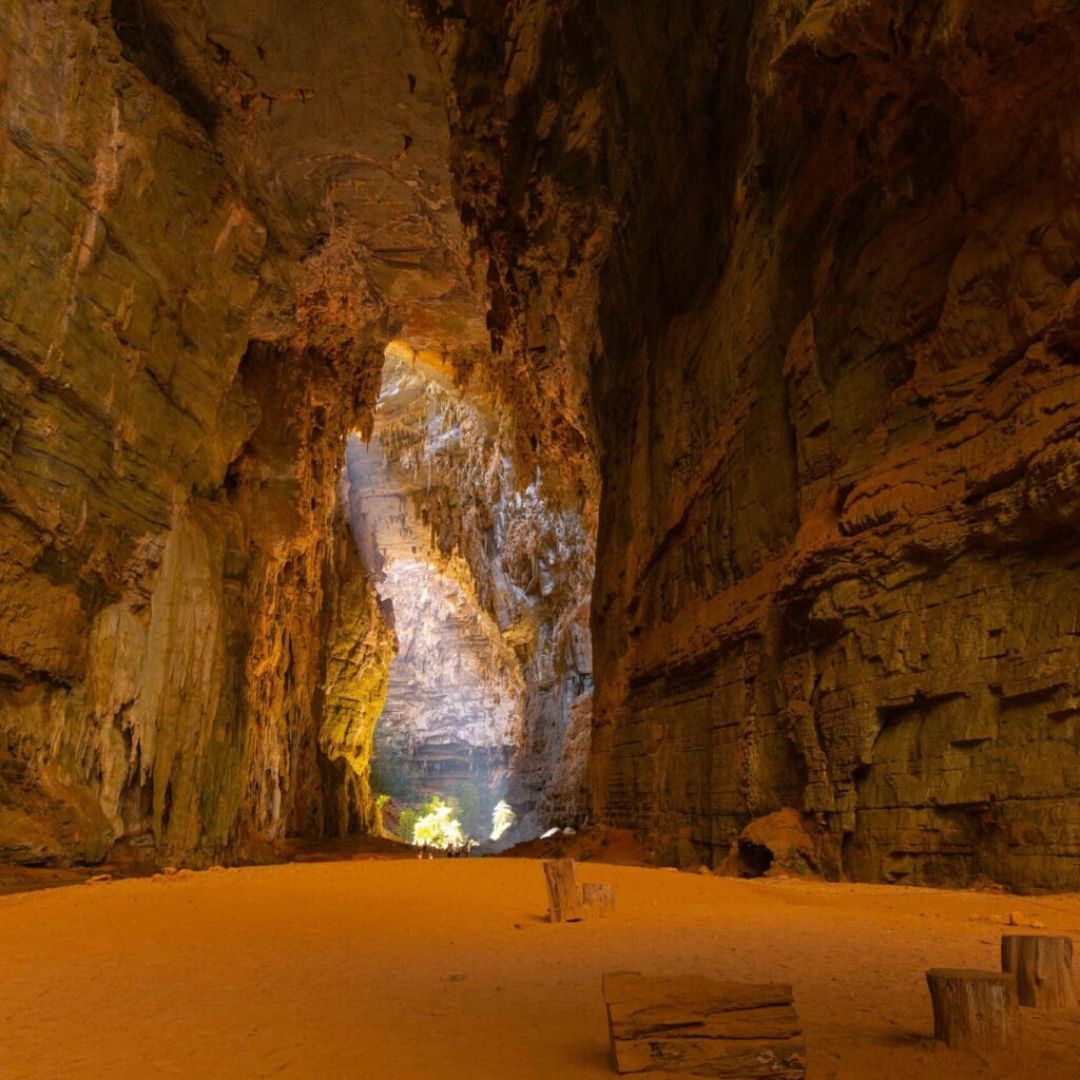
[973,1008]
[570,902]
[1042,967]
[692,1026]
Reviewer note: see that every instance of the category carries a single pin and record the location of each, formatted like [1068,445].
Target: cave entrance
[445,741]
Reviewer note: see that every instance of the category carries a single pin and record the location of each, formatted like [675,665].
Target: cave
[484,580]
[644,433]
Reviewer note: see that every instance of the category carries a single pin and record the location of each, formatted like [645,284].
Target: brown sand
[402,968]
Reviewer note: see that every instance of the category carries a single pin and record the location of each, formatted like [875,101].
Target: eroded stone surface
[798,281]
[179,622]
[455,690]
[824,264]
[520,562]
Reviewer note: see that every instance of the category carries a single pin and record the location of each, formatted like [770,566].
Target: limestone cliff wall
[522,553]
[167,488]
[454,680]
[791,286]
[832,255]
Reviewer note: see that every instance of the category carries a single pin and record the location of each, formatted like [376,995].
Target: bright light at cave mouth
[444,742]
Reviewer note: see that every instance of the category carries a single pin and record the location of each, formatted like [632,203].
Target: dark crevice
[148,43]
[755,860]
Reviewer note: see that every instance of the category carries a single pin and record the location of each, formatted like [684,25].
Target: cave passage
[641,434]
[444,742]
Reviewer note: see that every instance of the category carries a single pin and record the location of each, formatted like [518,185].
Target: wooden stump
[693,1026]
[598,899]
[1042,966]
[973,1007]
[564,893]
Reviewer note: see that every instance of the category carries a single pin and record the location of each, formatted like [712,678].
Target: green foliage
[407,824]
[467,798]
[381,802]
[438,827]
[502,817]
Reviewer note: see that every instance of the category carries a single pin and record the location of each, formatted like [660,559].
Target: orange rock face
[785,296]
[832,339]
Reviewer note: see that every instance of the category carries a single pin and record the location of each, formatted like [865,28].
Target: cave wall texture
[511,539]
[192,661]
[790,285]
[820,262]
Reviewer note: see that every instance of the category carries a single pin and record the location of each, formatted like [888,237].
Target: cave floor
[448,968]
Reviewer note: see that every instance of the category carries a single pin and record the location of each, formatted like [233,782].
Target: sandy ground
[448,968]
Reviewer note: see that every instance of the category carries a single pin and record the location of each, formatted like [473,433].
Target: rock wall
[820,262]
[168,485]
[792,287]
[455,690]
[520,553]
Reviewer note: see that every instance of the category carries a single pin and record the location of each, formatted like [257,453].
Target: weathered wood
[598,899]
[733,1059]
[703,1027]
[564,893]
[977,1008]
[1042,966]
[701,1021]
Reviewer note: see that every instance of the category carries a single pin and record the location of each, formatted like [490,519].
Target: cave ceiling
[331,116]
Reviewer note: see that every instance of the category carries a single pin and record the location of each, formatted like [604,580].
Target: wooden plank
[737,1060]
[770,1022]
[695,1026]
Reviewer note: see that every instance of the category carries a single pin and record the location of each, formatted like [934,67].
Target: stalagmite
[973,1008]
[1042,967]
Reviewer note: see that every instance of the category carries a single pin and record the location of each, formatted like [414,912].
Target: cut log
[695,1026]
[973,1008]
[564,893]
[1042,965]
[598,899]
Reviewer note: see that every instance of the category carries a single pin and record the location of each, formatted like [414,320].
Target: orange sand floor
[388,969]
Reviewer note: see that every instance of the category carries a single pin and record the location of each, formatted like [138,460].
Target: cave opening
[476,578]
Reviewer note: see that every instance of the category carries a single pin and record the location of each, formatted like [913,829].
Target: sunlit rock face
[489,578]
[834,252]
[455,690]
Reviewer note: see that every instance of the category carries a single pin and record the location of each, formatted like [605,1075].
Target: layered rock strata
[455,689]
[793,285]
[820,261]
[451,492]
[200,272]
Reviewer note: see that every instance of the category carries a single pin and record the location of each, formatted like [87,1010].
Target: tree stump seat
[1042,967]
[598,899]
[973,1008]
[570,902]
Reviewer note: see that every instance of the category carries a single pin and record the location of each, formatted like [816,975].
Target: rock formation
[820,260]
[780,298]
[454,692]
[439,490]
[187,315]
